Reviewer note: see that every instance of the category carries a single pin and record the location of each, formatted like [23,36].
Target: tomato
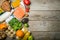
[27,9]
[27,2]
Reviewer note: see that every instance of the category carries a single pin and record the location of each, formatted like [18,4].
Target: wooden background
[45,19]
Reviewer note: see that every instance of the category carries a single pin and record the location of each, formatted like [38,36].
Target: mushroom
[2,35]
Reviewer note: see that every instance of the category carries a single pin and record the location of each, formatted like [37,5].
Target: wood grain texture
[44,19]
[45,4]
[52,26]
[37,15]
[46,35]
[45,24]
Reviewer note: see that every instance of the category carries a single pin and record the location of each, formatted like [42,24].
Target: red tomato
[27,2]
[27,9]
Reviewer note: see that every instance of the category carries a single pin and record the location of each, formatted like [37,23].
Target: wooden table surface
[44,19]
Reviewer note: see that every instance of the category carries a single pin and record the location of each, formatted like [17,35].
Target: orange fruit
[3,25]
[19,33]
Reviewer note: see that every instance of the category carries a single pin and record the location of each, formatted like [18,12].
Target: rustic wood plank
[46,35]
[51,26]
[38,15]
[45,4]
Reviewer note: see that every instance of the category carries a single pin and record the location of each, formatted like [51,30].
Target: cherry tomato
[27,9]
[27,2]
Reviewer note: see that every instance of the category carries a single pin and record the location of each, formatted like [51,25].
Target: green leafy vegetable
[15,24]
